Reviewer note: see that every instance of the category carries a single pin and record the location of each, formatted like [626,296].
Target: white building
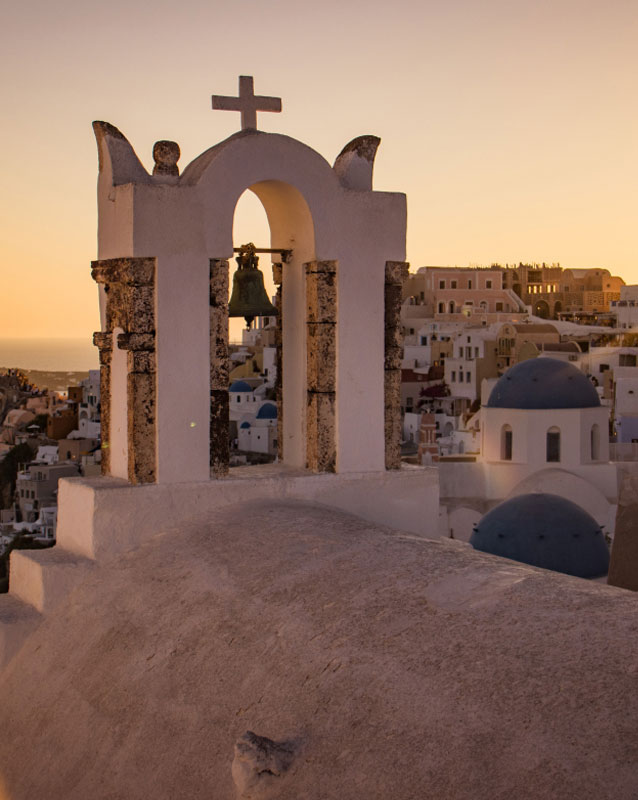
[543,430]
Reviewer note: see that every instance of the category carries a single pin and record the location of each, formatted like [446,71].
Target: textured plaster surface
[379,664]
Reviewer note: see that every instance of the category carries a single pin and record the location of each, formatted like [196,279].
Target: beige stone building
[551,290]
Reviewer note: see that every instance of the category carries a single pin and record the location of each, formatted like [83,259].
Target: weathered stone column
[140,391]
[129,285]
[219,368]
[277,276]
[104,344]
[396,272]
[321,296]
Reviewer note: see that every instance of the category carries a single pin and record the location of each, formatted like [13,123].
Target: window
[499,306]
[595,443]
[424,340]
[239,398]
[452,307]
[468,353]
[460,376]
[476,352]
[453,284]
[468,377]
[453,376]
[627,360]
[603,367]
[441,284]
[422,295]
[441,308]
[488,284]
[553,445]
[469,284]
[506,443]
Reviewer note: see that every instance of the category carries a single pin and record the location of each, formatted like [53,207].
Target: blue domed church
[543,430]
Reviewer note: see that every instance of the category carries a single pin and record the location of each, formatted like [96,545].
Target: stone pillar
[104,344]
[277,276]
[321,296]
[396,272]
[129,285]
[219,368]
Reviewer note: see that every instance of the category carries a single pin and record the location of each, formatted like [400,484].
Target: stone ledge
[100,518]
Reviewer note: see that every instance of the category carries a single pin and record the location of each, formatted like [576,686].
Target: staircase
[38,580]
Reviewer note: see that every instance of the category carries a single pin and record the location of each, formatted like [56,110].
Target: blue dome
[240,386]
[245,425]
[543,383]
[267,411]
[547,531]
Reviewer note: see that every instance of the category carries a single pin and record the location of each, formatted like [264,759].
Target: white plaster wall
[118,437]
[529,429]
[104,517]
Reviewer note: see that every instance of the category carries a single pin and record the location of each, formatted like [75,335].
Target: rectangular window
[468,377]
[507,445]
[499,306]
[441,284]
[603,367]
[476,352]
[453,376]
[453,284]
[469,284]
[488,284]
[553,446]
[468,353]
[627,360]
[461,376]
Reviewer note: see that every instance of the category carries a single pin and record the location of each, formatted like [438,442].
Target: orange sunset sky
[510,125]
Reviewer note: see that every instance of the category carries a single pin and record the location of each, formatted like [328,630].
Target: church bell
[249,298]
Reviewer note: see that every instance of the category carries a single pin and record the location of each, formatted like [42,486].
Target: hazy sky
[510,125]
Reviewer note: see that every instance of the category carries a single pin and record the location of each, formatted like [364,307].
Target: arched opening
[270,356]
[441,308]
[595,443]
[541,309]
[558,307]
[506,443]
[451,307]
[552,445]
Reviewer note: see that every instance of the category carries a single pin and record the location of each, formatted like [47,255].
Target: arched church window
[506,443]
[595,442]
[553,445]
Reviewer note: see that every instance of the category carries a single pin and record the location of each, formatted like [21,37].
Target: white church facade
[543,429]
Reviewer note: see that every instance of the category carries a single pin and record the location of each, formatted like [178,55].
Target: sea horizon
[49,354]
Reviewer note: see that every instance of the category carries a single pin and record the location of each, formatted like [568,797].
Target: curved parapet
[355,163]
[118,163]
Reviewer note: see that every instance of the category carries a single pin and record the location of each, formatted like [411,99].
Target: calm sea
[53,355]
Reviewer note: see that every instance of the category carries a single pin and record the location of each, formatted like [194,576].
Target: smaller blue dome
[267,411]
[245,425]
[546,531]
[240,386]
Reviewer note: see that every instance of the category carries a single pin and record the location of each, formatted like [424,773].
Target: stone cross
[247,103]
